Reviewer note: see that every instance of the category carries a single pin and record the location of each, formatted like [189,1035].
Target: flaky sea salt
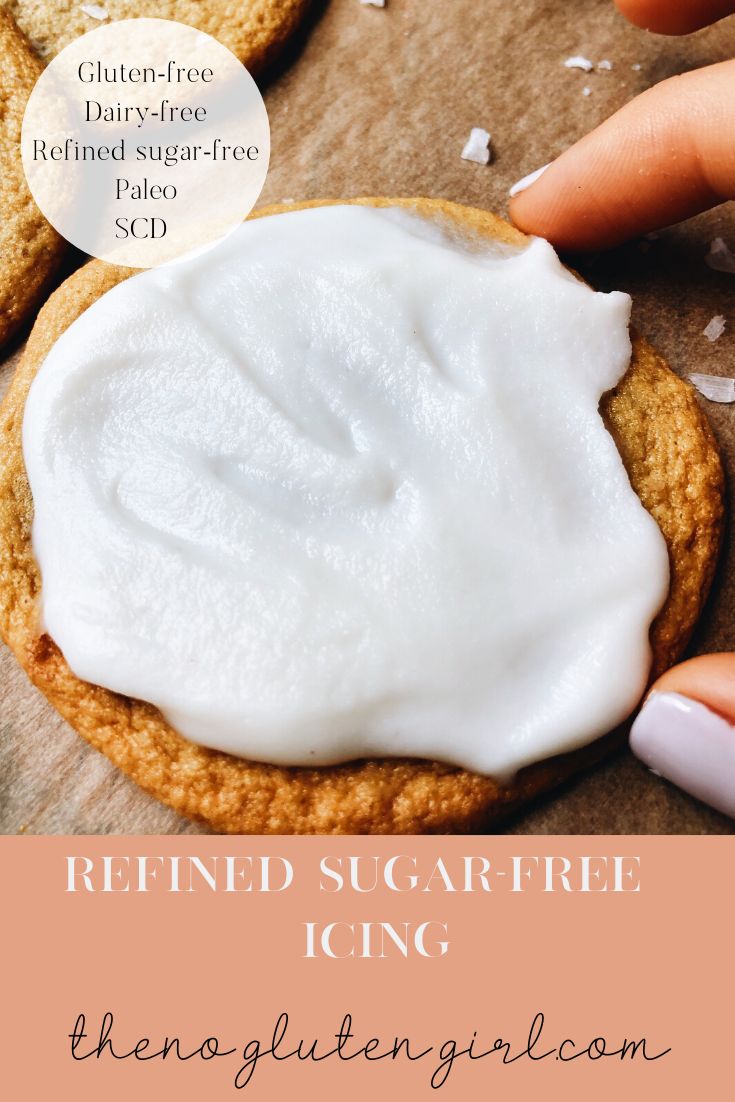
[374,3]
[636,68]
[714,329]
[605,64]
[720,257]
[477,146]
[714,387]
[586,91]
[579,62]
[95,11]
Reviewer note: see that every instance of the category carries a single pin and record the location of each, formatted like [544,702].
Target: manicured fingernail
[527,181]
[689,745]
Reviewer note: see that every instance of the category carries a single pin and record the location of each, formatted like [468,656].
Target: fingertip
[685,730]
[708,679]
[663,157]
[527,181]
[665,17]
[687,743]
[568,203]
[535,201]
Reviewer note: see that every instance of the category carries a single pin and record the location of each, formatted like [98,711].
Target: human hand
[666,155]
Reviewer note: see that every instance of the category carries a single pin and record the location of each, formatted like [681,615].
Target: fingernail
[691,746]
[527,181]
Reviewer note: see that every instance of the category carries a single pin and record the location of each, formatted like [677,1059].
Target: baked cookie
[255,30]
[673,464]
[30,248]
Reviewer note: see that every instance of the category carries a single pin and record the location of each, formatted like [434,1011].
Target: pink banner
[324,968]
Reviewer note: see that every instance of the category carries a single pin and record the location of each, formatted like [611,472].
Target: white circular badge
[143,140]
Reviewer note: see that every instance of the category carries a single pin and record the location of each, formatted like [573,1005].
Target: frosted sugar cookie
[349,501]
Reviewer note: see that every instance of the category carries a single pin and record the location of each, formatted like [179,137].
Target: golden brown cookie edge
[30,249]
[256,30]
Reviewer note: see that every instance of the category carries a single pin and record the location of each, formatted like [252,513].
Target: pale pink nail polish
[526,182]
[689,745]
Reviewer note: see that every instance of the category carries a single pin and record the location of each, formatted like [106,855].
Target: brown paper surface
[378,101]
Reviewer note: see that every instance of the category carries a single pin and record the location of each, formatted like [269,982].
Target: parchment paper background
[379,102]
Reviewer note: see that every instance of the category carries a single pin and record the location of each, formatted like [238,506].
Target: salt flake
[715,387]
[714,328]
[720,257]
[579,62]
[586,91]
[605,64]
[95,11]
[374,3]
[637,67]
[477,146]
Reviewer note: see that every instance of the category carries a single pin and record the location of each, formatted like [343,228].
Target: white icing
[339,487]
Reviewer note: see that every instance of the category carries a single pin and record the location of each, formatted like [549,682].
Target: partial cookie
[674,467]
[30,248]
[255,30]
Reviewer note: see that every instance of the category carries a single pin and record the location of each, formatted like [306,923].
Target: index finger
[666,155]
